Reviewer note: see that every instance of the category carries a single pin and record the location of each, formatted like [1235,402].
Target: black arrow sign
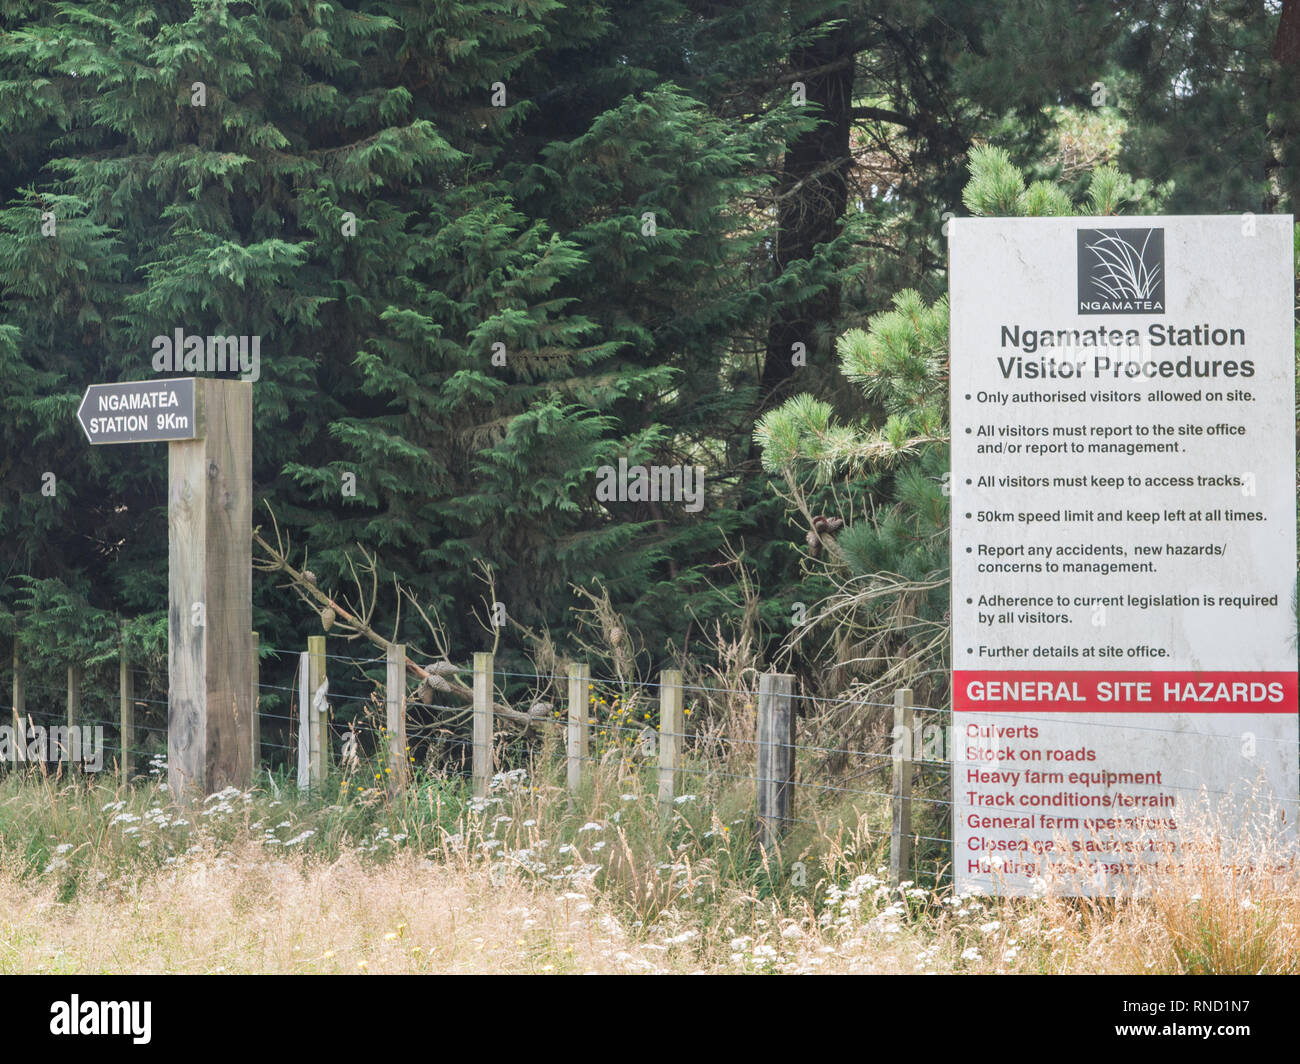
[139,411]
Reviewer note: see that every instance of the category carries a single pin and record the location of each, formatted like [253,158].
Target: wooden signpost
[208,426]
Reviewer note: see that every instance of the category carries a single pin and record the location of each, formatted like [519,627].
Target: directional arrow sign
[139,411]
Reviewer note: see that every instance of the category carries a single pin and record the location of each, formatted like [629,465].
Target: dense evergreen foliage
[889,609]
[490,247]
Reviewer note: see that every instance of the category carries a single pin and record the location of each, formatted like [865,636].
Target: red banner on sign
[1145,691]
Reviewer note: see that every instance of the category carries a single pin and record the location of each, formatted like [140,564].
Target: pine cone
[822,526]
[327,617]
[540,710]
[309,576]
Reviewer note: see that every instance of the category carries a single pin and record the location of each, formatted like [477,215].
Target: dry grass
[99,882]
[242,911]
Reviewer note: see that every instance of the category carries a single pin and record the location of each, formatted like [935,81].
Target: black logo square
[1121,271]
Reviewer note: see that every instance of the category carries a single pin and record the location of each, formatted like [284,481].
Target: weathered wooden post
[482,767]
[210,590]
[74,695]
[255,712]
[18,754]
[126,708]
[395,711]
[900,845]
[304,724]
[775,756]
[208,427]
[579,705]
[671,727]
[318,686]
[74,711]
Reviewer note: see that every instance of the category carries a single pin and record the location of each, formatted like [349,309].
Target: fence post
[318,685]
[126,706]
[74,707]
[304,724]
[900,844]
[579,704]
[395,706]
[775,756]
[74,695]
[671,727]
[254,712]
[483,671]
[19,752]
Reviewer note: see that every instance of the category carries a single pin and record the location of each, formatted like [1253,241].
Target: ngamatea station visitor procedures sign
[1124,543]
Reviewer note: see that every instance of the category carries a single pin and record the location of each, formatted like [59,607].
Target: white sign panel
[1124,541]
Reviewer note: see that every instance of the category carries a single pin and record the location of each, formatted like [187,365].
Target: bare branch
[275,559]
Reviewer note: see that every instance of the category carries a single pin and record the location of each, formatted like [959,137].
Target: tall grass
[100,878]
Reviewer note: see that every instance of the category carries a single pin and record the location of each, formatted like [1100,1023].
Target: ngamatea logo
[1121,271]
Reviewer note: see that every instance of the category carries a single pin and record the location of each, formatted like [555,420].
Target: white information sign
[1124,542]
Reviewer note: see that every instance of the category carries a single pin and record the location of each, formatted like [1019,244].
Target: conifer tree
[487,248]
[889,564]
[1211,89]
[221,169]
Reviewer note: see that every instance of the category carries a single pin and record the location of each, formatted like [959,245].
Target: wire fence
[711,738]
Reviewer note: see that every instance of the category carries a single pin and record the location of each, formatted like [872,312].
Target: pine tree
[890,565]
[1213,102]
[330,180]
[397,197]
